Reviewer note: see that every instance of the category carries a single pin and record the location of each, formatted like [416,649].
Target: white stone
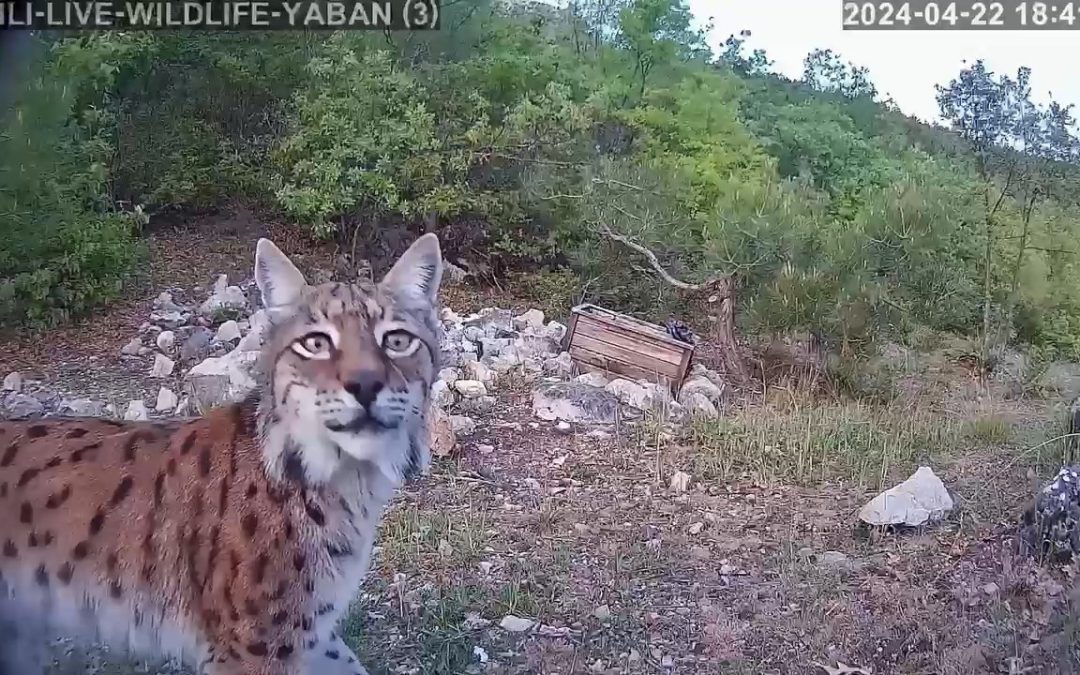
[698,384]
[475,370]
[132,347]
[13,381]
[222,379]
[561,365]
[166,340]
[556,331]
[441,396]
[533,318]
[593,379]
[449,374]
[166,400]
[224,297]
[470,388]
[136,411]
[630,393]
[516,624]
[84,407]
[462,424]
[920,499]
[228,331]
[574,402]
[699,404]
[163,366]
[252,342]
[680,481]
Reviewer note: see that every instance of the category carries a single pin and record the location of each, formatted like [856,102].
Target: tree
[754,65]
[1018,146]
[658,31]
[824,71]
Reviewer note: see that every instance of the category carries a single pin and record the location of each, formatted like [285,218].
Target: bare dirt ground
[602,565]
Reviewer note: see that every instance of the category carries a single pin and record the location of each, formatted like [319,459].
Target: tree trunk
[727,344]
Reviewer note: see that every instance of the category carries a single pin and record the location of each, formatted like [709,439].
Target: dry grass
[858,444]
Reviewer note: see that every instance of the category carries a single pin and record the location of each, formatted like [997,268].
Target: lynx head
[348,369]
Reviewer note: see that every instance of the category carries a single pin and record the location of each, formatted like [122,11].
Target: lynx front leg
[332,656]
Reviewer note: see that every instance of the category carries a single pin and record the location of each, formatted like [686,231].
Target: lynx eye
[399,343]
[314,346]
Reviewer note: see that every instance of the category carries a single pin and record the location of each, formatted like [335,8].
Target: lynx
[234,541]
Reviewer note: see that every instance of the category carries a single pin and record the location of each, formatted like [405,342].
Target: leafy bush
[65,251]
[365,136]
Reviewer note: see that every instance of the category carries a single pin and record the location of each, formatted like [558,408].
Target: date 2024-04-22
[961,15]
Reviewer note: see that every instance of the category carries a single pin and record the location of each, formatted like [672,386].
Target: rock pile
[207,347]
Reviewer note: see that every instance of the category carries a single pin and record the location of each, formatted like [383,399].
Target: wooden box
[599,339]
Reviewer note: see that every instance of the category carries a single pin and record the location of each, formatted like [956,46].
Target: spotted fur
[234,541]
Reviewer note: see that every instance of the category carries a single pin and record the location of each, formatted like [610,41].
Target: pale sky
[903,64]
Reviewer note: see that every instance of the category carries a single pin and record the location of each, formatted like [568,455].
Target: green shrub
[64,251]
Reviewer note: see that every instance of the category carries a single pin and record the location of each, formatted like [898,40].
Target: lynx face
[349,369]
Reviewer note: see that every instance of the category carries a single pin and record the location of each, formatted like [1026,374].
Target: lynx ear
[277,278]
[418,272]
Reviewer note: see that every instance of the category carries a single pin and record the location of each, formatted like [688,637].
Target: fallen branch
[708,284]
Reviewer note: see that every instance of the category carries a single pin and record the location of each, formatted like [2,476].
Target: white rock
[440,434]
[698,384]
[470,388]
[448,315]
[252,342]
[163,366]
[228,331]
[84,407]
[475,370]
[222,379]
[229,298]
[593,379]
[449,374]
[556,331]
[132,347]
[166,339]
[462,424]
[516,624]
[136,411]
[13,381]
[563,427]
[561,365]
[534,318]
[166,400]
[630,393]
[504,363]
[699,404]
[920,499]
[680,481]
[574,402]
[441,396]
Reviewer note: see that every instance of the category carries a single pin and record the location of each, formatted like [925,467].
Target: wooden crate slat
[625,355]
[623,323]
[629,341]
[593,361]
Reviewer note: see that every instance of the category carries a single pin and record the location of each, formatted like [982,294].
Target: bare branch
[655,263]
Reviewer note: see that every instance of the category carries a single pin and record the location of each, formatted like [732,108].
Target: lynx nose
[364,386]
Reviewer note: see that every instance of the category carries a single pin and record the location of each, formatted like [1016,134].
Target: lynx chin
[234,541]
